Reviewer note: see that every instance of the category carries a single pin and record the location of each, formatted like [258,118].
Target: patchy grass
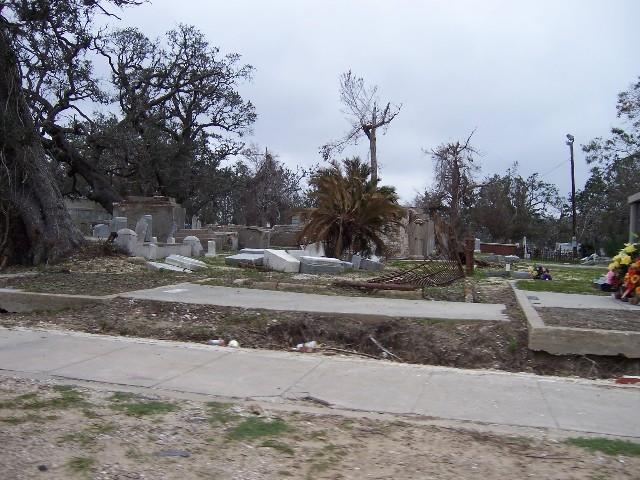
[88,436]
[218,413]
[68,397]
[560,286]
[28,418]
[80,465]
[324,459]
[134,406]
[607,446]
[144,408]
[567,280]
[256,427]
[278,446]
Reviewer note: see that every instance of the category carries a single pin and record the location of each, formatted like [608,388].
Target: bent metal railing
[430,272]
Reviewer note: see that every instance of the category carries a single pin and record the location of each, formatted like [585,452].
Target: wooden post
[469,246]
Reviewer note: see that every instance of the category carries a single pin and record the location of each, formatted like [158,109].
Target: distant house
[634,217]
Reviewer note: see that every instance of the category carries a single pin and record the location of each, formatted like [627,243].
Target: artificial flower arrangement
[624,273]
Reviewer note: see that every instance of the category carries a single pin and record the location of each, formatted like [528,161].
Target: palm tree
[351,213]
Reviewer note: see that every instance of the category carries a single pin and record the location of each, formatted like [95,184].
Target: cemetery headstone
[127,241]
[149,221]
[141,229]
[196,246]
[118,223]
[101,231]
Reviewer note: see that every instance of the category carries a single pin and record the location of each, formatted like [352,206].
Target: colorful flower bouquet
[624,273]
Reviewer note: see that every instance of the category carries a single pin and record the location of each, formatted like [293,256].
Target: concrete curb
[575,341]
[19,301]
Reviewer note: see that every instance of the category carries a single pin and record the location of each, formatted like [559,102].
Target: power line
[555,168]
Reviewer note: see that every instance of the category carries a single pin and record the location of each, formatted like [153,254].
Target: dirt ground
[499,345]
[602,319]
[65,432]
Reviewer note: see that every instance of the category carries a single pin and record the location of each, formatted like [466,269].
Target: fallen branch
[377,344]
[350,352]
[594,364]
[551,457]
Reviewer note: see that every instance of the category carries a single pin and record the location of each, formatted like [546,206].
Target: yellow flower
[613,265]
[629,248]
[626,260]
[617,257]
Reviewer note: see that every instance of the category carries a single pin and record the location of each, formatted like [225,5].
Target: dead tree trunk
[374,156]
[40,228]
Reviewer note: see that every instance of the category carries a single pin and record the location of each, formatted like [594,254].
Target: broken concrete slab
[281,261]
[185,262]
[521,275]
[252,251]
[297,253]
[371,265]
[166,266]
[316,265]
[244,259]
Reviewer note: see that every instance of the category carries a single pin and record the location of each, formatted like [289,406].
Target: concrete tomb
[281,261]
[244,258]
[371,265]
[315,265]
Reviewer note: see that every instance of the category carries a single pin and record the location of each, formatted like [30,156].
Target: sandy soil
[55,432]
[581,318]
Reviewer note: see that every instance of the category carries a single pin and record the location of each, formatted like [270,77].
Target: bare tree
[452,192]
[366,114]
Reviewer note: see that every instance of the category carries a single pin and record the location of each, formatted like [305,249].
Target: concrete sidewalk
[479,396]
[575,300]
[331,304]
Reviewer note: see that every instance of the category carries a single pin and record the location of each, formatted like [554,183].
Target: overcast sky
[523,73]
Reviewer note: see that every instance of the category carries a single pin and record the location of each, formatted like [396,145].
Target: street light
[574,243]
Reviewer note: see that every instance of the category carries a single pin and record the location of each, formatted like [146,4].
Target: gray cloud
[523,73]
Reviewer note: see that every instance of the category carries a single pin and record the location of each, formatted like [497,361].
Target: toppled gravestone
[315,265]
[371,265]
[254,259]
[281,261]
[185,262]
[521,275]
[166,266]
[511,259]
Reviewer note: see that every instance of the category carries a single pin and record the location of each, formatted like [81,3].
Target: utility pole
[574,243]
